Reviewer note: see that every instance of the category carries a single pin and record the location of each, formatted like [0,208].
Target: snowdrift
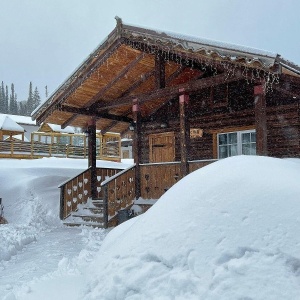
[227,231]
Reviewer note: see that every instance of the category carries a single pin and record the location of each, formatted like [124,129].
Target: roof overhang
[127,66]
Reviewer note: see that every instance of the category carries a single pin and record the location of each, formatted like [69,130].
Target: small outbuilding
[9,129]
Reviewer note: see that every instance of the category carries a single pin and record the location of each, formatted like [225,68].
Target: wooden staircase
[91,213]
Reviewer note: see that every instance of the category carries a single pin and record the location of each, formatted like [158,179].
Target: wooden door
[162,147]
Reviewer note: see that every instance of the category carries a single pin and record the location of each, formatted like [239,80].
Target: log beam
[184,132]
[98,96]
[170,92]
[88,112]
[137,146]
[260,119]
[92,155]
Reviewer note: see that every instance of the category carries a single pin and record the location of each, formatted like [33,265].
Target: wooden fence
[29,150]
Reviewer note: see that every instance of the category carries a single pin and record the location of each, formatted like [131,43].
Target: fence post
[105,205]
[11,147]
[62,202]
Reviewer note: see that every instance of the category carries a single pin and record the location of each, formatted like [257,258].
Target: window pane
[253,149]
[232,138]
[223,152]
[232,150]
[246,137]
[253,137]
[246,149]
[222,139]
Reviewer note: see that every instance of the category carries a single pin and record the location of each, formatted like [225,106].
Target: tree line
[10,105]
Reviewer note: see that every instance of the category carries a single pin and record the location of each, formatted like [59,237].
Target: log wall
[213,113]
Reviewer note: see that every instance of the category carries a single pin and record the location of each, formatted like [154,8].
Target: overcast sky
[43,41]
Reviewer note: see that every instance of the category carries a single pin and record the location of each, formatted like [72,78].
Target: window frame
[239,141]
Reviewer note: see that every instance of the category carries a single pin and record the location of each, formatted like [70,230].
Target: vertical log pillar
[136,146]
[184,132]
[92,156]
[260,120]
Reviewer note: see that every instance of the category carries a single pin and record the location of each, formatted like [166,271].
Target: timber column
[184,132]
[260,120]
[137,146]
[92,156]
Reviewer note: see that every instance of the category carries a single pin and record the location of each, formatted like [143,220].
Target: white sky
[44,41]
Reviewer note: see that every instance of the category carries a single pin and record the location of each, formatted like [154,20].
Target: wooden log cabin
[188,101]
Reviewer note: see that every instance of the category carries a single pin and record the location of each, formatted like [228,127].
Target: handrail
[108,180]
[69,180]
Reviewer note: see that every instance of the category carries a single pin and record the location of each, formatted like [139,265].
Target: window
[236,143]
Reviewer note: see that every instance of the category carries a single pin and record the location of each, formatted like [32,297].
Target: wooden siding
[232,112]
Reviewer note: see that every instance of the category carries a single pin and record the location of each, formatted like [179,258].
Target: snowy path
[55,252]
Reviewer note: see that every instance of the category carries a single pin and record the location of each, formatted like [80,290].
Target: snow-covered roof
[21,119]
[57,128]
[6,123]
[209,47]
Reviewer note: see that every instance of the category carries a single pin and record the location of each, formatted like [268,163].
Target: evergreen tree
[13,107]
[6,106]
[22,108]
[2,98]
[36,98]
[30,103]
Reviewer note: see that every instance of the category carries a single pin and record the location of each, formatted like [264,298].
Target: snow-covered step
[98,202]
[90,217]
[88,214]
[91,224]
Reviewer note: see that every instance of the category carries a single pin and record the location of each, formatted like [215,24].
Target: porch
[94,199]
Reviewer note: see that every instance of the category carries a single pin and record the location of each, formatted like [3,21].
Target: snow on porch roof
[196,44]
[172,41]
[6,123]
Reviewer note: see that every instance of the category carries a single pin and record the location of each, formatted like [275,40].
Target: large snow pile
[227,231]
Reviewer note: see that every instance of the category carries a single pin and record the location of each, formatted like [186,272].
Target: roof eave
[110,39]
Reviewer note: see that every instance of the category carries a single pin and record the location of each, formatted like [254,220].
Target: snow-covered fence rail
[15,149]
[33,149]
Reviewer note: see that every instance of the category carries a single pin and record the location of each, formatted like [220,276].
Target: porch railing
[78,189]
[119,192]
[116,187]
[157,178]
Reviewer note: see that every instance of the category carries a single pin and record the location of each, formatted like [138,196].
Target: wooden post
[92,156]
[136,146]
[260,120]
[105,206]
[184,132]
[62,202]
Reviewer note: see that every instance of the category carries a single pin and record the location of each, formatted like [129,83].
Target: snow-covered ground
[227,231]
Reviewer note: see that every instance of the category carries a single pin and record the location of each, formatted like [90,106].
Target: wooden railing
[119,192]
[117,187]
[157,178]
[14,149]
[77,190]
